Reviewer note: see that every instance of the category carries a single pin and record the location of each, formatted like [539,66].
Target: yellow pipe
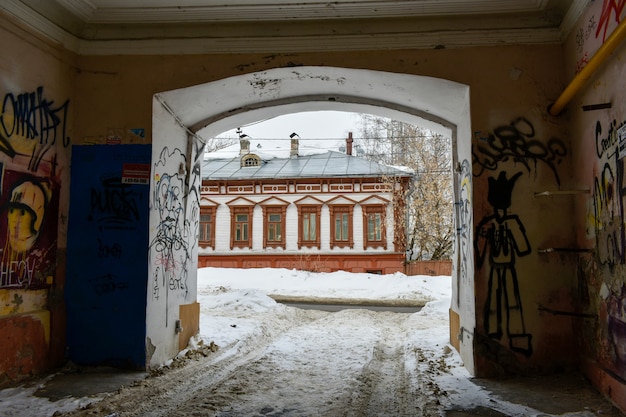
[598,59]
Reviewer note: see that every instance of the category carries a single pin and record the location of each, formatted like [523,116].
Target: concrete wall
[173,244]
[598,166]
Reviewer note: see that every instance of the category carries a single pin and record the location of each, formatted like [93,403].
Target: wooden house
[311,210]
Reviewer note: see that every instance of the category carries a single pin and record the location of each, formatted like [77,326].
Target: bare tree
[215,144]
[429,203]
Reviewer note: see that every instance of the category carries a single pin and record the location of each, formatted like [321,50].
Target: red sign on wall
[136,174]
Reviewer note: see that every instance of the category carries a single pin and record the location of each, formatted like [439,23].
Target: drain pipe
[598,59]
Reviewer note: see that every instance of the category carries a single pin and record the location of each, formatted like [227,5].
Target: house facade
[320,212]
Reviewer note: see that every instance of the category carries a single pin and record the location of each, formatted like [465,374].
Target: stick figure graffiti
[502,237]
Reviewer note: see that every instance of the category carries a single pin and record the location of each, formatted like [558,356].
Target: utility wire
[392,138]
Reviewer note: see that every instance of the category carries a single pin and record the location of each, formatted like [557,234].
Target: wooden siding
[223,220]
[428,268]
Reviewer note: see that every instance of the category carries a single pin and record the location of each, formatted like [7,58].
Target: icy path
[351,363]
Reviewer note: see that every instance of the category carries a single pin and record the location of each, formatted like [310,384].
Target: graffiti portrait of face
[25,214]
[21,234]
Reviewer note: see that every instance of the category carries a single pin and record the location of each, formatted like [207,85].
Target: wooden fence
[428,268]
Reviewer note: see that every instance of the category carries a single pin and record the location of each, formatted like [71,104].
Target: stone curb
[348,301]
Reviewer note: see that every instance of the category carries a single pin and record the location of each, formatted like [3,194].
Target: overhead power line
[337,139]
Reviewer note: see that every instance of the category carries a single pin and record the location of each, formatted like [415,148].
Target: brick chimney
[294,145]
[294,148]
[244,146]
[349,144]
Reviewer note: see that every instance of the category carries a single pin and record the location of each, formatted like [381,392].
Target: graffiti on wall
[28,217]
[608,198]
[607,224]
[500,239]
[193,185]
[616,309]
[516,143]
[611,12]
[598,24]
[170,248]
[114,205]
[31,125]
[464,216]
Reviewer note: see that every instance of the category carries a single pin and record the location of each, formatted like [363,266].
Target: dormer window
[250,160]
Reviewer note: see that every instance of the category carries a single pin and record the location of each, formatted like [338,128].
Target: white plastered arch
[209,109]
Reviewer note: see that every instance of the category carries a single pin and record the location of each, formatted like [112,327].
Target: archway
[182,118]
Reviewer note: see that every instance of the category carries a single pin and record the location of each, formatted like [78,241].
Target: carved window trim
[270,238]
[306,212]
[343,215]
[241,206]
[370,212]
[206,232]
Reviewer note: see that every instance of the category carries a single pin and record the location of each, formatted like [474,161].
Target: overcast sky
[329,128]
[326,129]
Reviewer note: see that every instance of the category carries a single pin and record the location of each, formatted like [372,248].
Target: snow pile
[330,286]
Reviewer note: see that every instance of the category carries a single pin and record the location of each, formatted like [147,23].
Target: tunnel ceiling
[103,26]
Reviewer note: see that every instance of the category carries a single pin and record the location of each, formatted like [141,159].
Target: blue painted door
[107,263]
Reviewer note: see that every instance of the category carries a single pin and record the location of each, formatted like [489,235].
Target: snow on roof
[266,149]
[328,164]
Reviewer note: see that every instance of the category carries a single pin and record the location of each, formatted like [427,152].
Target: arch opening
[183,118]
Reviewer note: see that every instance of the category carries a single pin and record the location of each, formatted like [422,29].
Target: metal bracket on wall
[562,192]
[566,250]
[601,106]
[566,313]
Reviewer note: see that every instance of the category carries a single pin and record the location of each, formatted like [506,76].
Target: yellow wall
[114,92]
[599,214]
[36,85]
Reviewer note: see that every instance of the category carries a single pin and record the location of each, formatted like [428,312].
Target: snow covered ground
[275,360]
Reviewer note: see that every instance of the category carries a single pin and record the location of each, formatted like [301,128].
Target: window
[274,226]
[241,222]
[241,227]
[374,226]
[274,217]
[309,226]
[206,234]
[309,215]
[341,226]
[250,160]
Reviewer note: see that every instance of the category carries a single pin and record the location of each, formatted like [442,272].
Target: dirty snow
[275,360]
